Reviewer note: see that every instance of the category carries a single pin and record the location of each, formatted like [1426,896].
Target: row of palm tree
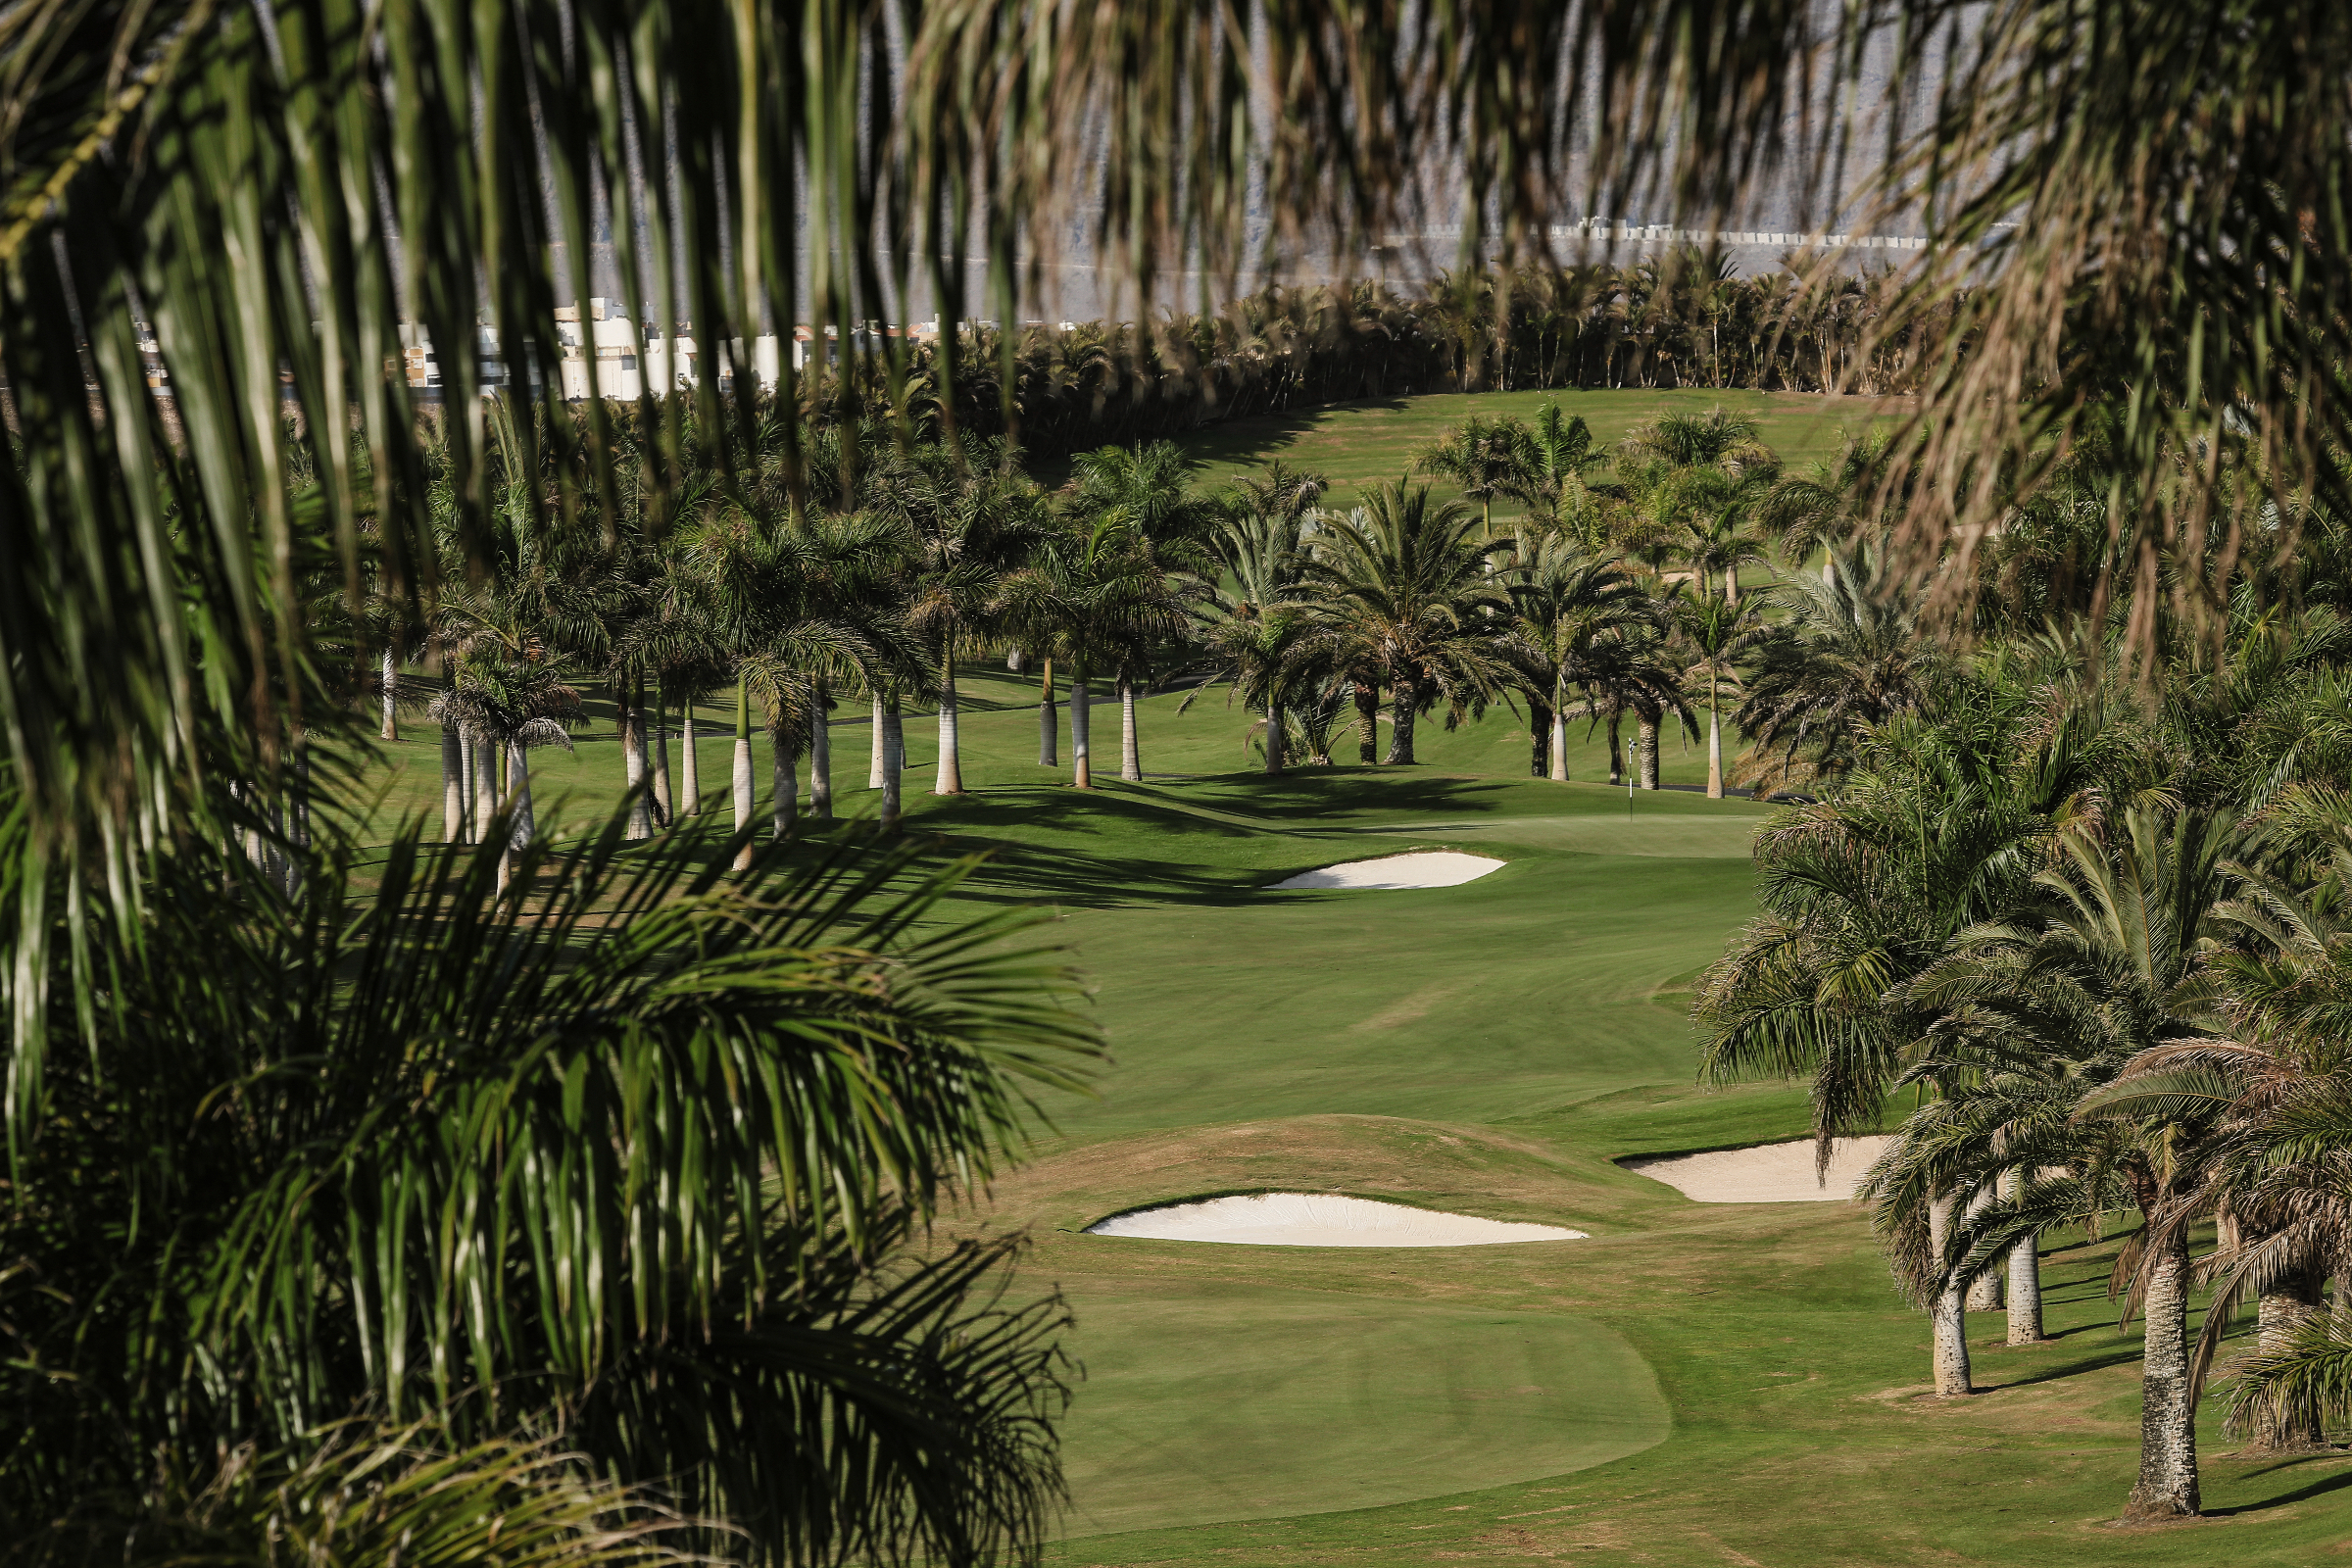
[1681,320]
[2092,922]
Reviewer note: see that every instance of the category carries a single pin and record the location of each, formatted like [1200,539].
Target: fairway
[1694,1384]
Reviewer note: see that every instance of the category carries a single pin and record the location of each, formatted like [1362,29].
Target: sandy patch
[1430,868]
[1319,1219]
[1776,1173]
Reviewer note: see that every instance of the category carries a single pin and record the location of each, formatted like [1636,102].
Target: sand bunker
[1776,1173]
[1430,868]
[1318,1219]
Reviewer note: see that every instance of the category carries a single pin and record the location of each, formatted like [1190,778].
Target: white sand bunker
[1430,868]
[1318,1219]
[1776,1173]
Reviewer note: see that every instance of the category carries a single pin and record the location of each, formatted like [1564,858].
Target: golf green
[1220,1404]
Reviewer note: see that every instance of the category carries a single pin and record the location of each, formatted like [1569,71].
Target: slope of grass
[1361,444]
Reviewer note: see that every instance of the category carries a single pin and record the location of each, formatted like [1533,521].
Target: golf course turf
[1695,1383]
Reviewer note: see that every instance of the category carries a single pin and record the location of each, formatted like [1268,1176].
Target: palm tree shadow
[2071,1369]
[2317,1487]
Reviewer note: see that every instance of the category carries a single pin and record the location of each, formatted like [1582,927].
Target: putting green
[1217,1405]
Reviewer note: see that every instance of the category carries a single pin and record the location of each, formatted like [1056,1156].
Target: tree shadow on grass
[2316,1487]
[2073,1368]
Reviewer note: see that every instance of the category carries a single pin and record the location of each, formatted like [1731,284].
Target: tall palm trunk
[1131,752]
[525,825]
[1616,749]
[1401,702]
[1081,726]
[1049,725]
[821,757]
[485,786]
[1984,1291]
[1539,737]
[950,778]
[1367,723]
[666,810]
[690,767]
[2168,1417]
[1646,747]
[391,694]
[2025,1277]
[741,776]
[784,781]
[453,786]
[1557,733]
[894,763]
[875,767]
[2279,1313]
[1715,738]
[1949,1312]
[466,825]
[1277,742]
[632,757]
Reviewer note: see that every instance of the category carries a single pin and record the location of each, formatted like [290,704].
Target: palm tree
[966,521]
[1251,627]
[1485,459]
[608,1124]
[1411,581]
[506,706]
[1567,609]
[1847,657]
[1091,595]
[1936,836]
[1551,476]
[1719,629]
[2126,927]
[1146,494]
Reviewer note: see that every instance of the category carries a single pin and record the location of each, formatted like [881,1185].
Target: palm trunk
[1647,747]
[1401,720]
[453,786]
[1081,725]
[894,761]
[741,777]
[466,824]
[1715,740]
[1616,749]
[1984,1291]
[821,757]
[523,827]
[391,695]
[1367,723]
[485,786]
[874,765]
[949,777]
[632,758]
[1539,737]
[1949,1312]
[2024,1278]
[784,793]
[1131,752]
[1049,725]
[666,810]
[690,767]
[2279,1313]
[2168,1418]
[1277,740]
[1559,736]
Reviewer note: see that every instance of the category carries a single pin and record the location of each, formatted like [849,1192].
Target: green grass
[1361,444]
[1696,1384]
